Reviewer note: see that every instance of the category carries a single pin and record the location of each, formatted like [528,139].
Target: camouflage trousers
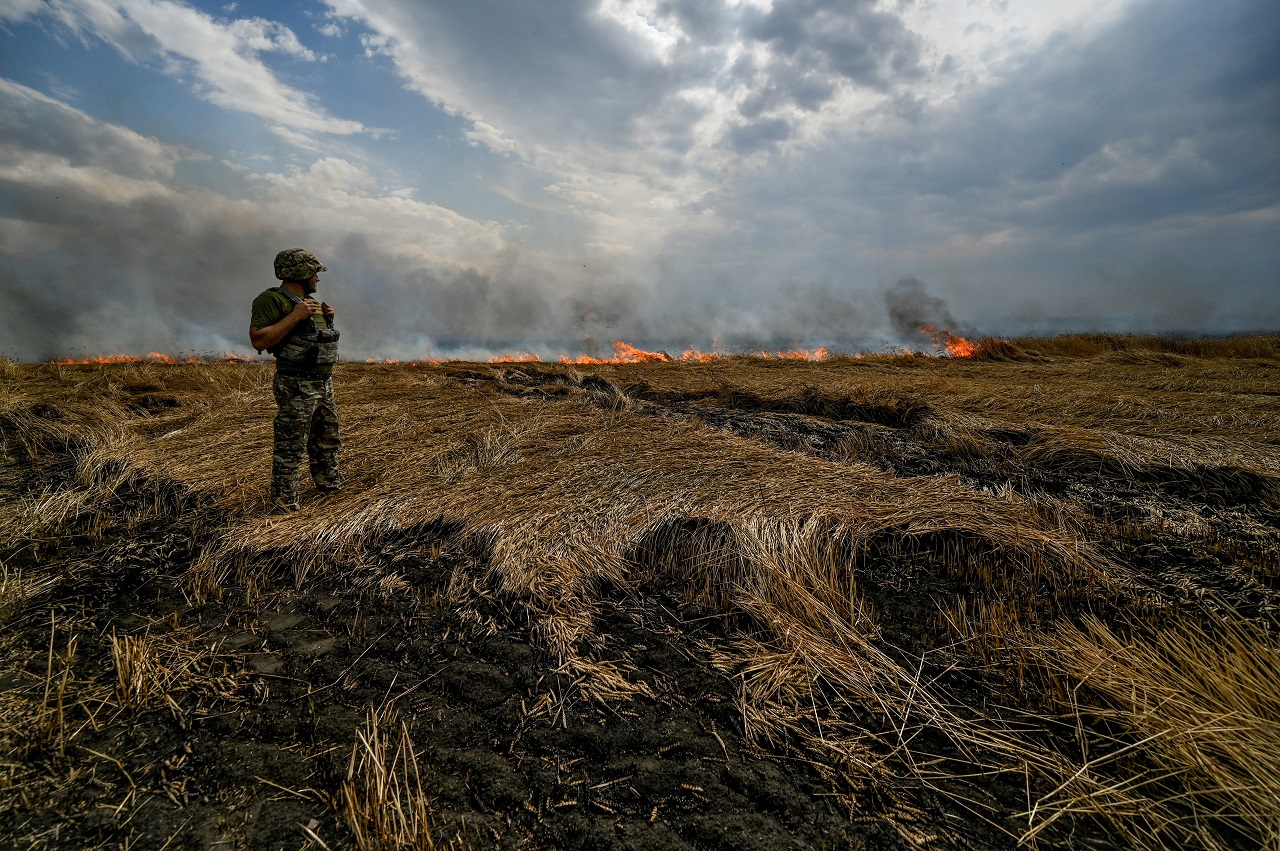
[307,419]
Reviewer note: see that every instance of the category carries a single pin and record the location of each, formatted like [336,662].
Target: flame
[953,346]
[622,353]
[102,359]
[820,354]
[518,357]
[156,357]
[692,354]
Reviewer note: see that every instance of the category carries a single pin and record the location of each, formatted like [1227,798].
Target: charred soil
[251,745]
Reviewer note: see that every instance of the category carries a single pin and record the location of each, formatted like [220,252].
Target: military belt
[298,373]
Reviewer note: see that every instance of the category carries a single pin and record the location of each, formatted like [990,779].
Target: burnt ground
[249,748]
[247,767]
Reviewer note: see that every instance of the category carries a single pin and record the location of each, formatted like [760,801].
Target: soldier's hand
[327,309]
[306,309]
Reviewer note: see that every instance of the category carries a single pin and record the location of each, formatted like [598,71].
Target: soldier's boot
[284,506]
[327,480]
[284,495]
[324,472]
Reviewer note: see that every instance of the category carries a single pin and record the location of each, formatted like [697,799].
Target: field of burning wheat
[1024,598]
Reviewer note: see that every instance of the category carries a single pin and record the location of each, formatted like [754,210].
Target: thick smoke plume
[911,308]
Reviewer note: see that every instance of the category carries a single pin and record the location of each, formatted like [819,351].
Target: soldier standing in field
[299,332]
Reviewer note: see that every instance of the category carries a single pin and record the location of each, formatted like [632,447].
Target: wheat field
[1023,599]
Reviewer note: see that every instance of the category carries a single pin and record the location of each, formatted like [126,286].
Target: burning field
[1026,595]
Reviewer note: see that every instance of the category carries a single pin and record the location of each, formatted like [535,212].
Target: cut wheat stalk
[382,800]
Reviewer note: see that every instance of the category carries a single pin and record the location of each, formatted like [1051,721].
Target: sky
[498,176]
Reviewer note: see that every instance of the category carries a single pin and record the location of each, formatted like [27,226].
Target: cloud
[647,117]
[484,133]
[173,268]
[658,89]
[258,35]
[222,56]
[33,125]
[855,41]
[667,172]
[16,11]
[88,209]
[1085,168]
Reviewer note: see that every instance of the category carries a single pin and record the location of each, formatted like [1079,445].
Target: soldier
[300,333]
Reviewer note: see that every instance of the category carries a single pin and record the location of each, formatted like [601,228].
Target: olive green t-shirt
[271,306]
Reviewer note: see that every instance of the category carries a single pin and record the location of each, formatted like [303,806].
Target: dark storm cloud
[790,84]
[746,138]
[853,39]
[702,20]
[569,75]
[1070,184]
[815,48]
[1138,124]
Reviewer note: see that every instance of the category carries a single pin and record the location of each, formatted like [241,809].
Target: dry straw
[564,483]
[382,800]
[1205,706]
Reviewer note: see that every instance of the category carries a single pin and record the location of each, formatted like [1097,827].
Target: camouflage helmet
[296,264]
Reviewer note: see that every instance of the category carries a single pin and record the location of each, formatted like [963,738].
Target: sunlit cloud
[222,56]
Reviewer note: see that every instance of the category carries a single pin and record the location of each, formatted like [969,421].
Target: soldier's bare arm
[268,335]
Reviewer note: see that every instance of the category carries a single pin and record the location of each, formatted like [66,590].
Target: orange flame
[155,357]
[953,346]
[692,354]
[518,357]
[622,353]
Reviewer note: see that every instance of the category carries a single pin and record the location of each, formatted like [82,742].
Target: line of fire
[944,343]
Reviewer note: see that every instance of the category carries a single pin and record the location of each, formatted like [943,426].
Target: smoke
[102,258]
[176,273]
[911,307]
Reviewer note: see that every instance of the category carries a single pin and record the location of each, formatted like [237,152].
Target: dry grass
[1203,706]
[152,671]
[19,590]
[49,722]
[382,800]
[58,699]
[1240,346]
[567,481]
